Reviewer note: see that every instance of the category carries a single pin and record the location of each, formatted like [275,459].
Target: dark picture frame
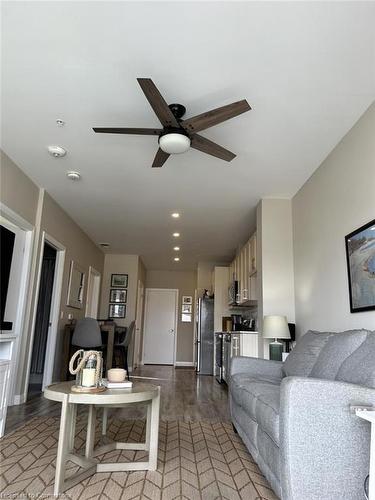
[119,280]
[117,311]
[118,295]
[360,260]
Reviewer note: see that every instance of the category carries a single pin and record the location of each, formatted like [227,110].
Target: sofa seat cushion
[251,393]
[338,347]
[359,367]
[301,360]
[267,411]
[244,379]
[241,382]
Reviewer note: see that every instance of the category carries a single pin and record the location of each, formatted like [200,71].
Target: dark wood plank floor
[184,396]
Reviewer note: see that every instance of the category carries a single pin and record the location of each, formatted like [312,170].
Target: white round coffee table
[148,394]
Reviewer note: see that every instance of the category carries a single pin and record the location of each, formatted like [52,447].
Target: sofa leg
[234,429]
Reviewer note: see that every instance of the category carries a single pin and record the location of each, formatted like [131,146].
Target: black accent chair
[122,344]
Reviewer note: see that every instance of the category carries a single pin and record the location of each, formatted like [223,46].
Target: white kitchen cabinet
[253,254]
[244,344]
[244,285]
[244,269]
[6,351]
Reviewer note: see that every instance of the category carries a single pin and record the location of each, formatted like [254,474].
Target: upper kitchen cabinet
[243,269]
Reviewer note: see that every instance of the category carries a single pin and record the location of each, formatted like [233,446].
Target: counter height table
[141,393]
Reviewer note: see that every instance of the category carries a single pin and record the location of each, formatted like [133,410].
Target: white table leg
[72,429]
[148,425]
[154,432]
[62,448]
[105,421]
[371,495]
[90,436]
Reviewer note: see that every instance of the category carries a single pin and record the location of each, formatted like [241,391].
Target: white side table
[369,415]
[148,394]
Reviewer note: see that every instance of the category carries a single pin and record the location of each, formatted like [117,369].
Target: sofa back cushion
[303,357]
[359,367]
[338,347]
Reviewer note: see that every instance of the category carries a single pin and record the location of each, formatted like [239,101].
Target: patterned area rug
[197,460]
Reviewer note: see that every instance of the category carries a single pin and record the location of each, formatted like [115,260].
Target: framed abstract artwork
[360,257]
[119,280]
[117,311]
[118,295]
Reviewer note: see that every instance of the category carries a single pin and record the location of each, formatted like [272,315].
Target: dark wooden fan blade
[211,148]
[158,104]
[138,131]
[215,116]
[160,158]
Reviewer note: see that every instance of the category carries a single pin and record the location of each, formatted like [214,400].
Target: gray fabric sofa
[295,417]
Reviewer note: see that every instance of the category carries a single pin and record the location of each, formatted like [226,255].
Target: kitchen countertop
[244,331]
[241,331]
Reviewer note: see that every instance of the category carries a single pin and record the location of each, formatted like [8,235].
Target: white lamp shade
[174,143]
[275,327]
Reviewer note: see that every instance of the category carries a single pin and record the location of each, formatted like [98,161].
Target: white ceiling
[307,70]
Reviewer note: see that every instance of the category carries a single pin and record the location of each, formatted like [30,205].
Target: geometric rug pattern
[196,461]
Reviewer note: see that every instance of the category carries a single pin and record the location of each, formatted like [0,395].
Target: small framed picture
[117,311]
[187,299]
[187,308]
[119,280]
[186,318]
[118,295]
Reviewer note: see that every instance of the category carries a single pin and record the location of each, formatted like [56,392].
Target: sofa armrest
[256,366]
[324,446]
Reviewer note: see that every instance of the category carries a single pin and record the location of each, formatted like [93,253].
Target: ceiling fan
[178,135]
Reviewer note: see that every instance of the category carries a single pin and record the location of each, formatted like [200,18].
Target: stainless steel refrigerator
[205,336]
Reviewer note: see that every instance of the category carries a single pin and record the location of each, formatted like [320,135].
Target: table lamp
[276,327]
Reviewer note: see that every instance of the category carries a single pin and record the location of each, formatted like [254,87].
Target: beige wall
[204,276]
[120,264]
[338,198]
[275,276]
[17,191]
[21,195]
[79,247]
[185,282]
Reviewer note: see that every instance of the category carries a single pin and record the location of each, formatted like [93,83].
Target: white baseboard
[184,363]
[19,399]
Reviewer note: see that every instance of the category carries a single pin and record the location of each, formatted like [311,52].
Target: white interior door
[93,291]
[138,324]
[160,326]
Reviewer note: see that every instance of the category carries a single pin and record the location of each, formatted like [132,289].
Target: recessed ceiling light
[176,249]
[175,215]
[56,151]
[176,235]
[73,176]
[176,259]
[104,245]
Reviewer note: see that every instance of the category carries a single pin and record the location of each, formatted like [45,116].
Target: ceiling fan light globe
[174,143]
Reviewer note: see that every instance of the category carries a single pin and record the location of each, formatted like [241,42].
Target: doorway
[160,326]
[42,320]
[138,325]
[93,292]
[47,313]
